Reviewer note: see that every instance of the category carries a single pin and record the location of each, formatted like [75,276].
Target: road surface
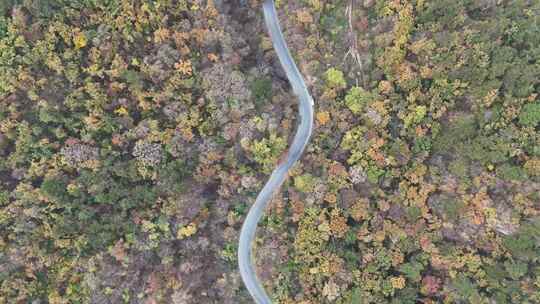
[301,139]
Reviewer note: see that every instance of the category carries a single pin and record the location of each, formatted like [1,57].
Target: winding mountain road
[301,139]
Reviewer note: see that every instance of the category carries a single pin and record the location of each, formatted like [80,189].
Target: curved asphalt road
[279,174]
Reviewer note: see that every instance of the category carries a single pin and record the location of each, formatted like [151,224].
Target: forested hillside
[135,135]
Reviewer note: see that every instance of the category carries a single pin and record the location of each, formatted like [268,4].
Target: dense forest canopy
[134,136]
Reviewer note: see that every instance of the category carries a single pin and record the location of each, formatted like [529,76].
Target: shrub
[305,183]
[4,200]
[532,166]
[515,269]
[335,78]
[412,270]
[465,287]
[374,173]
[521,245]
[266,151]
[511,172]
[461,130]
[54,188]
[261,89]
[415,116]
[530,115]
[356,99]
